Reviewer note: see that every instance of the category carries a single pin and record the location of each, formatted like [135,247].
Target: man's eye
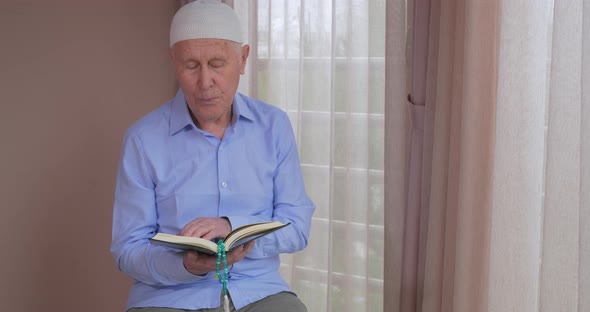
[217,64]
[191,65]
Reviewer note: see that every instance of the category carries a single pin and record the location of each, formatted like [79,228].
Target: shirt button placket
[222,171]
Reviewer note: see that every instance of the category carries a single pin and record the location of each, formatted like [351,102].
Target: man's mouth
[207,101]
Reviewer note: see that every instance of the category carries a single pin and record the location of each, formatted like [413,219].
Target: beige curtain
[323,62]
[499,188]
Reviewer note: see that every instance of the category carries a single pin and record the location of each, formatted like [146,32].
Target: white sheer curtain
[501,187]
[323,63]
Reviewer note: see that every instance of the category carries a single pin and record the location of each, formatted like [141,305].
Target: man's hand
[200,263]
[210,228]
[207,228]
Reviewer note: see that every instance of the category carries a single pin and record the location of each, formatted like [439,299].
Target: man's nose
[205,78]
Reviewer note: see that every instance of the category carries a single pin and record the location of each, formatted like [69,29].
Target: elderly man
[209,160]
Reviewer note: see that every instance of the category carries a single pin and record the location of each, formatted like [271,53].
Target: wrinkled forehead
[198,48]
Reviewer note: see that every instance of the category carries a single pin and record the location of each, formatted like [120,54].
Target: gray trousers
[283,302]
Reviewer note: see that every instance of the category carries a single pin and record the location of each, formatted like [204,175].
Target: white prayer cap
[205,19]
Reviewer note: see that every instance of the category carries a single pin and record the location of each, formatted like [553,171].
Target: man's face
[208,71]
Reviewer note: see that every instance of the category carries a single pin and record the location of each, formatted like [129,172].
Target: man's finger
[197,231]
[240,252]
[249,245]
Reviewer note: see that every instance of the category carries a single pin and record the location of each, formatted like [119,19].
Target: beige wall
[73,76]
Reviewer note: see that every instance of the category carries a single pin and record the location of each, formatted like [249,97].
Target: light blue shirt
[172,172]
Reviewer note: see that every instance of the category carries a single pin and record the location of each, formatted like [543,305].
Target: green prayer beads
[222,277]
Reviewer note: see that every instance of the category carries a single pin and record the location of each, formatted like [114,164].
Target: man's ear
[171,53]
[244,57]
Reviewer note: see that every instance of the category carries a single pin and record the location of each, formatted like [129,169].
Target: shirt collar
[180,116]
[241,109]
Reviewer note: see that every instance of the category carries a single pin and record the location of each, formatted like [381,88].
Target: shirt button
[223,184]
[221,148]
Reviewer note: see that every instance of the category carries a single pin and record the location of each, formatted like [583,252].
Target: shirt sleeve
[135,221]
[290,204]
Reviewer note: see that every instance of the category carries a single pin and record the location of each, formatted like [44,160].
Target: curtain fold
[411,258]
[412,266]
[584,222]
[504,195]
[564,161]
[397,134]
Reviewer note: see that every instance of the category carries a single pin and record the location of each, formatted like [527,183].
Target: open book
[235,238]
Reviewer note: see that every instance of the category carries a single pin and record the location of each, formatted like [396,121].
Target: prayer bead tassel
[222,276]
[225,303]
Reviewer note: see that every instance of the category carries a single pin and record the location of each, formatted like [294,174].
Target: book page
[184,242]
[252,231]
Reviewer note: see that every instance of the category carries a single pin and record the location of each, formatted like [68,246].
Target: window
[323,63]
